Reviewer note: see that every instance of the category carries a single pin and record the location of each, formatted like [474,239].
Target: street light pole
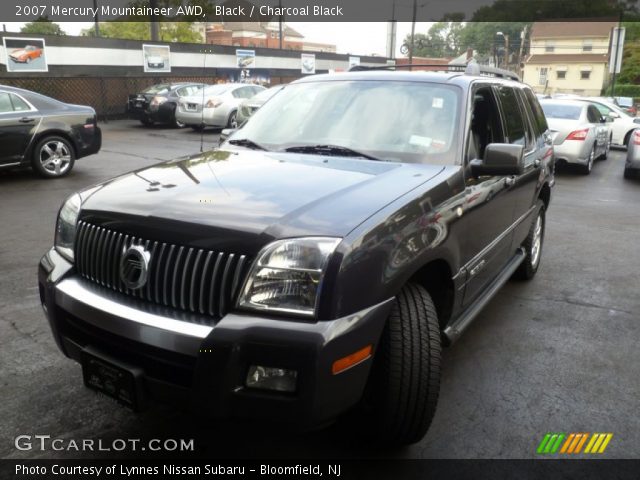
[95,19]
[413,32]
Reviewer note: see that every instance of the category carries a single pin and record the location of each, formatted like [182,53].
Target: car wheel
[176,123]
[233,122]
[586,169]
[533,246]
[197,128]
[146,121]
[53,157]
[402,391]
[607,148]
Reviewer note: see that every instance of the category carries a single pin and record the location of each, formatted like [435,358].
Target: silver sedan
[632,166]
[215,105]
[580,133]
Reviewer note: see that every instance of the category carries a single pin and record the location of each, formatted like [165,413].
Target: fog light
[268,378]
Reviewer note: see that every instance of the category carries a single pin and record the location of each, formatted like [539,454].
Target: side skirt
[453,331]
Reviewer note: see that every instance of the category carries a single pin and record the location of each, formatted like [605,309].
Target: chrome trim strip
[10,164]
[123,320]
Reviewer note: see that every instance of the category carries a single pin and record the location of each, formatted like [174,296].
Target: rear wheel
[586,169]
[53,157]
[232,122]
[402,392]
[146,121]
[533,246]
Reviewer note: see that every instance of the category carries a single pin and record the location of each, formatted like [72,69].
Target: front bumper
[203,366]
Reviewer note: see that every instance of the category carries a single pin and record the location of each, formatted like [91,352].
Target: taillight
[578,134]
[155,101]
[213,103]
[636,137]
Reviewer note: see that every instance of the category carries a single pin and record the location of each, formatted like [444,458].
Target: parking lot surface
[557,354]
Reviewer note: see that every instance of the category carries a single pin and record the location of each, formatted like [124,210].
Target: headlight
[287,276]
[66,226]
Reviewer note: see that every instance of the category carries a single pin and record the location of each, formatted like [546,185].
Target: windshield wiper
[245,142]
[329,150]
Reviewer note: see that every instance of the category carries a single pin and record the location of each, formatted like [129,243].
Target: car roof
[454,78]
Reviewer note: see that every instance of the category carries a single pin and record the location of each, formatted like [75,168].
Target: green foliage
[42,26]
[169,31]
[624,90]
[515,10]
[630,72]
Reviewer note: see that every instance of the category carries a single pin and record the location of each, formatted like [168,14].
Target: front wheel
[533,246]
[402,392]
[53,157]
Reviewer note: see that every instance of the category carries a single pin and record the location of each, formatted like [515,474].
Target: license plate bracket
[113,378]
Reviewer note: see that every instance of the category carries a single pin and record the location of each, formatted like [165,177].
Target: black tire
[529,266]
[197,128]
[146,121]
[53,157]
[232,121]
[402,392]
[586,169]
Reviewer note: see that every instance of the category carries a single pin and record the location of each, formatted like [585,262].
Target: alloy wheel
[55,157]
[536,246]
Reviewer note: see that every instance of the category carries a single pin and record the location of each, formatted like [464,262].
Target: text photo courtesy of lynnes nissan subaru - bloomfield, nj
[275,239]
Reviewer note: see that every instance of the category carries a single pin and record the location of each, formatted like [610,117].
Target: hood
[18,53]
[247,197]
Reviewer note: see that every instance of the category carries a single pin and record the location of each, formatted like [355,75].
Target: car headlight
[66,226]
[287,276]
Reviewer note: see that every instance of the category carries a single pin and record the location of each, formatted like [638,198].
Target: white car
[155,62]
[220,105]
[623,124]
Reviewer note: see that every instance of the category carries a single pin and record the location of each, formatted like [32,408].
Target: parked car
[623,123]
[26,54]
[158,103]
[43,133]
[352,224]
[626,103]
[155,62]
[632,165]
[248,107]
[580,133]
[220,105]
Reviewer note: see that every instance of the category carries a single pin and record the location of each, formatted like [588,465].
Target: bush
[623,90]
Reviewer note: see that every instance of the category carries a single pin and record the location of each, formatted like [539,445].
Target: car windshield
[561,111]
[397,121]
[161,88]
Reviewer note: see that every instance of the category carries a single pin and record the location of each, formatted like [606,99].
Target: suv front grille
[192,279]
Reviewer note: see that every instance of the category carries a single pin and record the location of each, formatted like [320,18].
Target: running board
[453,331]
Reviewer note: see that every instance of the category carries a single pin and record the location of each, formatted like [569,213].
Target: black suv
[316,262]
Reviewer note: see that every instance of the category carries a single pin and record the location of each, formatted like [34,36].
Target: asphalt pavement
[557,354]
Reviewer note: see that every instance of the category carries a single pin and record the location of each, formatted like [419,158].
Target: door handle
[509,181]
[26,120]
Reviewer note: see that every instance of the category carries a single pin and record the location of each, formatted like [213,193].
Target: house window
[561,74]
[549,47]
[587,46]
[585,75]
[542,76]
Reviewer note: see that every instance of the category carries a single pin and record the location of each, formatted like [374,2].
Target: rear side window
[593,115]
[514,122]
[5,103]
[19,105]
[538,114]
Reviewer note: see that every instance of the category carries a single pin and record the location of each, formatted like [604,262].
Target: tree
[483,36]
[42,26]
[441,40]
[169,31]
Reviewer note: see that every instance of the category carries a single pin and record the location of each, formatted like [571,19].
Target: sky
[356,38]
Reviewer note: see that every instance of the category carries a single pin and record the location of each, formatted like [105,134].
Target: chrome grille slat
[187,278]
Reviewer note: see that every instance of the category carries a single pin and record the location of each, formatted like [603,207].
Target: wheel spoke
[48,150]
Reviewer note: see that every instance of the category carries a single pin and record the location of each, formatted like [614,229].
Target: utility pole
[413,31]
[523,37]
[95,19]
[280,24]
[615,55]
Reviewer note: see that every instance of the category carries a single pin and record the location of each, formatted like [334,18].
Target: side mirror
[500,159]
[614,115]
[225,134]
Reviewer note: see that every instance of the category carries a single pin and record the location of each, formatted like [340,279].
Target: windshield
[389,120]
[157,89]
[561,111]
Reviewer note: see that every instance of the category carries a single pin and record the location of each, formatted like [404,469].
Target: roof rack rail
[470,69]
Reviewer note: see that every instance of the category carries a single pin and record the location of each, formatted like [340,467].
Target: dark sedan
[157,104]
[44,133]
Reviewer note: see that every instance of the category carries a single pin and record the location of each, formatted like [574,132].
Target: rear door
[18,122]
[600,128]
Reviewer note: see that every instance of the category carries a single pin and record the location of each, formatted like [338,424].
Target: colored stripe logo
[573,443]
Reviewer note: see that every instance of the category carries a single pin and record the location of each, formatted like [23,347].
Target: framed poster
[156,58]
[308,63]
[246,58]
[25,54]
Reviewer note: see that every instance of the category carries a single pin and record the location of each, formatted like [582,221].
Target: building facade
[569,57]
